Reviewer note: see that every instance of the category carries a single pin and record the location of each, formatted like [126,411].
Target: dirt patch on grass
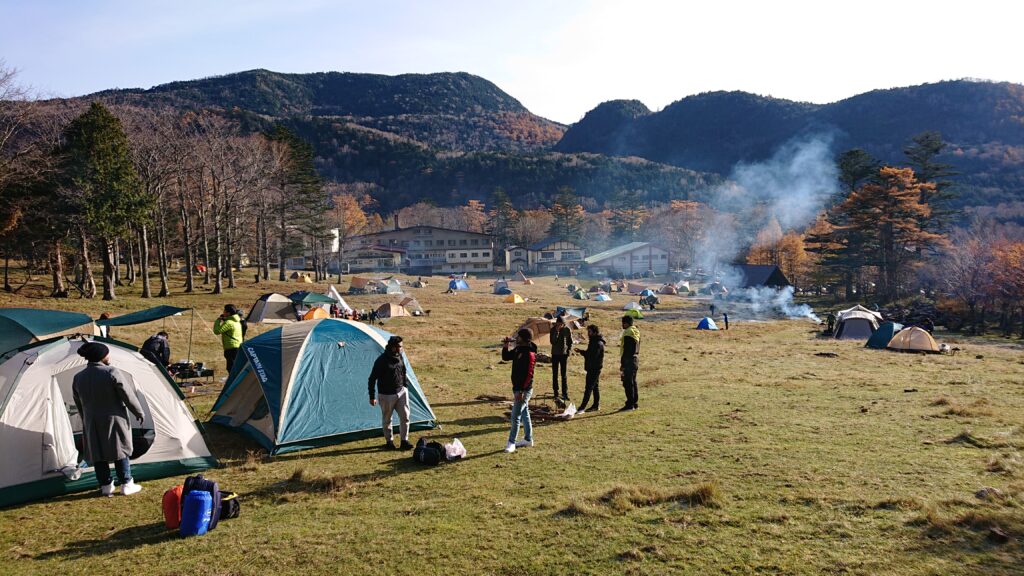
[623,498]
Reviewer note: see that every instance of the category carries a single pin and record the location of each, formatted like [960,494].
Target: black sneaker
[625,408]
[594,409]
[634,407]
[390,446]
[405,445]
[565,398]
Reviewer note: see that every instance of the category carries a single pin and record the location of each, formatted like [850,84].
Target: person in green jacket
[229,328]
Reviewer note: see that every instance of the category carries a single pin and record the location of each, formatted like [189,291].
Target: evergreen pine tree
[567,214]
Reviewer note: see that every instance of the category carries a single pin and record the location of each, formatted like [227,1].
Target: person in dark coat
[524,360]
[104,401]
[157,349]
[561,347]
[725,316]
[389,381]
[629,363]
[593,361]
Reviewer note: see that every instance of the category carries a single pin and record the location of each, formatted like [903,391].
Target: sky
[560,58]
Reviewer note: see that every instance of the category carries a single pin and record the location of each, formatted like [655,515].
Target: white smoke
[764,301]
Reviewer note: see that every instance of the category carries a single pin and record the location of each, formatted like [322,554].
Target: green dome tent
[304,385]
[881,337]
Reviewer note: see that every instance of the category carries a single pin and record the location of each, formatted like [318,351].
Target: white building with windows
[630,259]
[432,250]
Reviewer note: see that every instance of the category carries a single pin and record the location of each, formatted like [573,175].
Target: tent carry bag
[196,513]
[199,484]
[172,507]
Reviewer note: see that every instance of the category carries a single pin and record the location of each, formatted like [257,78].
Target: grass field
[751,454]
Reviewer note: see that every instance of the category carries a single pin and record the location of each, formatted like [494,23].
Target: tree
[502,218]
[302,200]
[566,216]
[628,214]
[532,226]
[967,269]
[1007,269]
[348,216]
[856,167]
[922,155]
[96,168]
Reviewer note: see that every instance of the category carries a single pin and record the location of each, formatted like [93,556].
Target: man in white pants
[388,382]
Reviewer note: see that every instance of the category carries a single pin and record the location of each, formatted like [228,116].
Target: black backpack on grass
[430,454]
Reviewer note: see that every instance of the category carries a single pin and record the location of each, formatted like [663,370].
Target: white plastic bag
[454,450]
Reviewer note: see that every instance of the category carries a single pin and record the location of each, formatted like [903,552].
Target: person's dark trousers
[629,383]
[593,379]
[124,471]
[229,355]
[559,363]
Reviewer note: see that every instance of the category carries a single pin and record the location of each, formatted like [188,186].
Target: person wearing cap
[229,327]
[104,402]
[388,381]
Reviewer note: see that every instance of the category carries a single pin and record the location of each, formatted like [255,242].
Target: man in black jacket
[630,362]
[593,361]
[388,381]
[561,347]
[157,349]
[524,359]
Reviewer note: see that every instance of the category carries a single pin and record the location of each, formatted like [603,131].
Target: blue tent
[503,291]
[603,298]
[142,316]
[880,338]
[648,292]
[458,284]
[706,324]
[304,385]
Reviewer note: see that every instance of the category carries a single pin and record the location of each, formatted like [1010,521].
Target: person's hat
[93,351]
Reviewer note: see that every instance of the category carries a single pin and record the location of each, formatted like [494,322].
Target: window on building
[462,255]
[547,255]
[451,242]
[428,243]
[475,254]
[475,242]
[487,254]
[463,242]
[570,255]
[415,242]
[393,242]
[664,256]
[405,243]
[479,266]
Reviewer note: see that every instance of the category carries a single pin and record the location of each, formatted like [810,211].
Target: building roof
[548,242]
[617,251]
[762,275]
[391,231]
[380,249]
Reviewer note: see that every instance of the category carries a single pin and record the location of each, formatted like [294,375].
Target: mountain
[983,122]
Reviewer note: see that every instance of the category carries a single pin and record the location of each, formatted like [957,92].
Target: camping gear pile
[433,453]
[198,506]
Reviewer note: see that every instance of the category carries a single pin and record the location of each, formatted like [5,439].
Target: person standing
[229,327]
[561,347]
[524,359]
[157,349]
[104,401]
[725,316]
[593,361]
[629,363]
[388,383]
[712,309]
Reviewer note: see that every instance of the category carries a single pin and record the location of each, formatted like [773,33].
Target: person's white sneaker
[511,447]
[524,444]
[130,488]
[107,490]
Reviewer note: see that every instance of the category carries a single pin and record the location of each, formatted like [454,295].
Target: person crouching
[524,359]
[389,378]
[103,402]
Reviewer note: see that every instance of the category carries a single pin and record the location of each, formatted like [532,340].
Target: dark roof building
[758,275]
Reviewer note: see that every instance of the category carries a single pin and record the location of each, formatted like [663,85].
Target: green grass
[750,454]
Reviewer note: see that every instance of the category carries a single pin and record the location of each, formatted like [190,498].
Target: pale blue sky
[560,58]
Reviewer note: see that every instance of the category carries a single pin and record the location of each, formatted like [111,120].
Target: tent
[858,311]
[881,337]
[315,313]
[580,294]
[501,287]
[142,316]
[520,277]
[632,306]
[411,305]
[635,314]
[304,385]
[272,308]
[392,286]
[333,294]
[634,288]
[648,292]
[514,299]
[602,297]
[21,326]
[391,311]
[458,284]
[503,291]
[857,323]
[707,324]
[669,289]
[310,298]
[39,421]
[358,283]
[683,286]
[913,339]
[539,327]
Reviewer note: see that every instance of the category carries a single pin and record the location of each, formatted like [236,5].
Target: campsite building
[432,250]
[375,259]
[554,256]
[517,259]
[630,259]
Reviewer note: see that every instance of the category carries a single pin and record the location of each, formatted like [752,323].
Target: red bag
[172,507]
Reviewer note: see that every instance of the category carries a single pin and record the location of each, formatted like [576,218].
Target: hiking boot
[390,446]
[524,444]
[107,490]
[626,408]
[405,445]
[634,407]
[129,488]
[510,447]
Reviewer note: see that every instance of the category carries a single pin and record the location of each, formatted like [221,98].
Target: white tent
[332,292]
[39,421]
[632,306]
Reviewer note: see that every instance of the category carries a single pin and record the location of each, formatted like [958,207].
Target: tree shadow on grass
[124,539]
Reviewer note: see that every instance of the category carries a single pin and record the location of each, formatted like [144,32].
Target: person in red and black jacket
[524,359]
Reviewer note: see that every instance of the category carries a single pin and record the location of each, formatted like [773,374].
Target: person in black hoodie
[593,361]
[629,363]
[524,358]
[388,377]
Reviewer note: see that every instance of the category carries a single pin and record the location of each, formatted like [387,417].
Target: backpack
[245,326]
[229,506]
[429,454]
[201,484]
[172,507]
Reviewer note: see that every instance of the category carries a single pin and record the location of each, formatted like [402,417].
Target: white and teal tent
[40,425]
[304,385]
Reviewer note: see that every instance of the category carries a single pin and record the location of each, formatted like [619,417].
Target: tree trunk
[115,251]
[144,260]
[88,281]
[229,255]
[282,248]
[265,243]
[7,271]
[186,232]
[205,238]
[60,290]
[109,268]
[217,245]
[130,272]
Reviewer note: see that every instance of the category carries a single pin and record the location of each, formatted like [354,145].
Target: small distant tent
[458,284]
[528,281]
[632,306]
[635,314]
[913,339]
[539,327]
[520,277]
[358,285]
[669,289]
[683,286]
[40,428]
[418,284]
[647,292]
[634,288]
[411,305]
[500,286]
[881,337]
[391,311]
[315,313]
[602,297]
[580,294]
[392,286]
[514,299]
[272,308]
[304,385]
[707,324]
[857,323]
[333,294]
[310,298]
[21,326]
[301,277]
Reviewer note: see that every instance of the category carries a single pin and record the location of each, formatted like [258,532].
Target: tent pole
[191,321]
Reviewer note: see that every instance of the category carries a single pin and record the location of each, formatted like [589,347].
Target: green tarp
[142,316]
[21,326]
[304,297]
